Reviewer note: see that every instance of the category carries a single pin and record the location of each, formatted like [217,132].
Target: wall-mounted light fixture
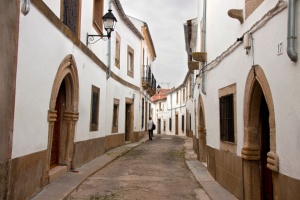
[158,89]
[25,7]
[109,22]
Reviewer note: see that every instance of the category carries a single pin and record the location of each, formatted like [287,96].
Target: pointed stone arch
[201,130]
[67,77]
[257,87]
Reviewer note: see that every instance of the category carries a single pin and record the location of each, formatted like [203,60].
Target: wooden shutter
[70,16]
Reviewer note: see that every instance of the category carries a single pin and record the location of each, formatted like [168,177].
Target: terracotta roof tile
[162,95]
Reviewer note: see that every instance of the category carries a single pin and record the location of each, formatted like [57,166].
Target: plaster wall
[171,108]
[119,91]
[55,6]
[128,38]
[86,25]
[100,48]
[282,76]
[40,63]
[222,31]
[163,114]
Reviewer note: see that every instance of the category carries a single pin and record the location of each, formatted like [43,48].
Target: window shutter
[70,16]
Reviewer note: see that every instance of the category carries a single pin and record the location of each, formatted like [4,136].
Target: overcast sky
[165,19]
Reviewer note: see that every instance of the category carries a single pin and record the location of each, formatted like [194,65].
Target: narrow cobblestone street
[153,170]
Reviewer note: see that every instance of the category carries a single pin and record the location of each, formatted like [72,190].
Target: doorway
[260,160]
[129,119]
[176,124]
[266,173]
[159,126]
[60,108]
[146,116]
[62,117]
[201,132]
[127,123]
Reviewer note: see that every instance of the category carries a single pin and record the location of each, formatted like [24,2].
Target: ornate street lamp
[158,89]
[109,22]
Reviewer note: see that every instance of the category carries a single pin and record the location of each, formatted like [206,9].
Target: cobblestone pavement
[153,170]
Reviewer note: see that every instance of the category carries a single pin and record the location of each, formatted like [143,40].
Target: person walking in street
[150,125]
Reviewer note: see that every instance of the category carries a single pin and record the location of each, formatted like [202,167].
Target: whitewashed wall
[127,38]
[38,63]
[283,76]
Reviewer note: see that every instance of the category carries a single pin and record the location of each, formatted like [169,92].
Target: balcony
[148,80]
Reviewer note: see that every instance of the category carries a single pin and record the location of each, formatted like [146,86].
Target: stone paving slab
[67,183]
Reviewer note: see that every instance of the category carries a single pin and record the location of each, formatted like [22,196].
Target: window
[118,49]
[170,124]
[164,125]
[183,95]
[186,93]
[115,116]
[130,62]
[94,118]
[97,16]
[182,123]
[227,118]
[143,105]
[70,15]
[227,106]
[176,97]
[159,106]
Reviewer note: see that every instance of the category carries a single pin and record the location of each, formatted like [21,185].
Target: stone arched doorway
[62,117]
[201,130]
[260,161]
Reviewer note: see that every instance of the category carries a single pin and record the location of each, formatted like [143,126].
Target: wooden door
[266,173]
[176,124]
[127,122]
[159,126]
[54,160]
[146,116]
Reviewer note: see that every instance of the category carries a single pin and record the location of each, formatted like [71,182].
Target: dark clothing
[150,131]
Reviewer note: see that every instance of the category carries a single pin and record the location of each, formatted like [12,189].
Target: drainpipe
[203,46]
[291,48]
[109,52]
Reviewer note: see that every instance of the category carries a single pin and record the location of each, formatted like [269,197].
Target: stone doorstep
[56,172]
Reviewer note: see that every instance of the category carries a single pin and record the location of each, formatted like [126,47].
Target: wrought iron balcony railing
[148,80]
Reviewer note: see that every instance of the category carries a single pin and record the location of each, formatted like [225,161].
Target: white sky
[165,19]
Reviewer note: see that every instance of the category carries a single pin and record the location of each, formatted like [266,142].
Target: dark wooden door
[146,117]
[127,123]
[159,126]
[176,124]
[266,173]
[56,131]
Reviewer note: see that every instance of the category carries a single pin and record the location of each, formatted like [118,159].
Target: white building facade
[70,99]
[243,113]
[247,104]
